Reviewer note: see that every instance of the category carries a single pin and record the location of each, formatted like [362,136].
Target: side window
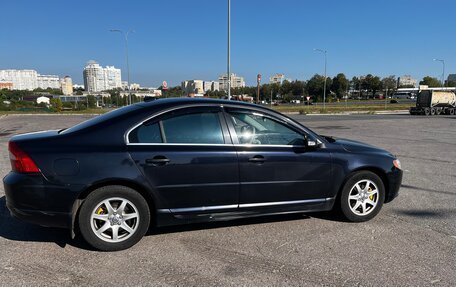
[196,128]
[146,133]
[199,128]
[258,129]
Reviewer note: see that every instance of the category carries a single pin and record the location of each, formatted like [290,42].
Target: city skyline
[393,42]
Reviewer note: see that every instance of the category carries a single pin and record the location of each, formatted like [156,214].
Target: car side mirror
[311,143]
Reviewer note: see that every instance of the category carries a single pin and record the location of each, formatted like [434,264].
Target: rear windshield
[98,119]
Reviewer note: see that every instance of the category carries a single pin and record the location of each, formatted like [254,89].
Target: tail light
[20,161]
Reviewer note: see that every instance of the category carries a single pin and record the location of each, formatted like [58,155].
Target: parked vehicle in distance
[175,161]
[402,95]
[434,102]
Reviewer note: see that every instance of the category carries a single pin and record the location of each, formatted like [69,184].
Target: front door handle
[158,160]
[257,159]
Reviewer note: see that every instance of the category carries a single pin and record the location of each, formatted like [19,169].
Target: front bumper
[394,183]
[31,198]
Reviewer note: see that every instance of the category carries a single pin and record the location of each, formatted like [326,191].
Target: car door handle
[257,159]
[158,160]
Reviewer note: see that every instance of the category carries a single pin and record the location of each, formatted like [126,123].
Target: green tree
[371,84]
[56,104]
[389,83]
[340,85]
[92,101]
[315,87]
[431,82]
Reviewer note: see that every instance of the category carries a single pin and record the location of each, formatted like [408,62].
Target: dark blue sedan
[174,161]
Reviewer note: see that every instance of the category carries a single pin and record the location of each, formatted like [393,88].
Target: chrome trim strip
[245,205]
[127,134]
[261,204]
[203,208]
[201,144]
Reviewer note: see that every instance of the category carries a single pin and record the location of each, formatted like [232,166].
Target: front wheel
[113,218]
[362,196]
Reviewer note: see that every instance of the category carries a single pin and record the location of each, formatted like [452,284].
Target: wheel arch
[377,171]
[151,201]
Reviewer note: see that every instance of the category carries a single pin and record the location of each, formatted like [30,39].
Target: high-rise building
[21,79]
[29,79]
[236,82]
[277,79]
[67,86]
[48,81]
[406,81]
[97,78]
[193,87]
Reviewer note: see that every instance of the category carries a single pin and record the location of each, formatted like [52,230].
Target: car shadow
[229,223]
[16,230]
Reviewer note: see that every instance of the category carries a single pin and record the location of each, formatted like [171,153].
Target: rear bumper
[39,217]
[394,183]
[31,198]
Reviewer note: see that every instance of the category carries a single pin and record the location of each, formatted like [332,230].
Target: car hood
[358,147]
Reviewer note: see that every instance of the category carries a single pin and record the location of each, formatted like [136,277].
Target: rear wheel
[114,218]
[362,196]
[451,112]
[432,111]
[427,111]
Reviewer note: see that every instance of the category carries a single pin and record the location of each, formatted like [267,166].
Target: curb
[348,113]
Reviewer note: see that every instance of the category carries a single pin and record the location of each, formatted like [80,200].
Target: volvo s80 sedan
[175,161]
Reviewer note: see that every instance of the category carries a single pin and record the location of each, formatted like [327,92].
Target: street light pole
[126,56]
[324,88]
[443,72]
[229,50]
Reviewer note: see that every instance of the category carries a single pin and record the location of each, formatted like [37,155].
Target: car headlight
[397,163]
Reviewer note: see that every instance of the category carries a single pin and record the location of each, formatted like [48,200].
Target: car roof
[187,100]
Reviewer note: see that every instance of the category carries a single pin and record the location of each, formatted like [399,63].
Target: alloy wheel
[363,197]
[114,219]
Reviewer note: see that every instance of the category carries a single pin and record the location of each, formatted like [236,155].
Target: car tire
[362,196]
[113,218]
[427,111]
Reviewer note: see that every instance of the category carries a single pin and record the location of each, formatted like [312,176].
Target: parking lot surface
[412,242]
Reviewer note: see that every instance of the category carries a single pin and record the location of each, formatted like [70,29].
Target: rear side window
[191,128]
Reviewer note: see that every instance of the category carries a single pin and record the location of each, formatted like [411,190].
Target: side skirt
[167,217]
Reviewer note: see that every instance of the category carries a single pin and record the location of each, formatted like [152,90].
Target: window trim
[217,110]
[226,127]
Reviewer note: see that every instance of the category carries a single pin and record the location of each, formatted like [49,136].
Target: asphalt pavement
[412,242]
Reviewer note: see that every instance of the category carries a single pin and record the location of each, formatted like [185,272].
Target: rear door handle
[257,159]
[158,160]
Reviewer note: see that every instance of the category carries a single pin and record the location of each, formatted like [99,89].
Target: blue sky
[186,39]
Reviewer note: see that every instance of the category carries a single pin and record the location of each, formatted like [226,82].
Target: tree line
[337,88]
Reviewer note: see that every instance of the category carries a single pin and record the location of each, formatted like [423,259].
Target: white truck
[434,102]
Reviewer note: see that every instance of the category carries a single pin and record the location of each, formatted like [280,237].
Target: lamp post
[443,72]
[324,88]
[126,56]
[228,64]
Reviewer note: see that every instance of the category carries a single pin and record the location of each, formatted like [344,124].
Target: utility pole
[271,99]
[324,88]
[443,72]
[126,56]
[229,50]
[258,88]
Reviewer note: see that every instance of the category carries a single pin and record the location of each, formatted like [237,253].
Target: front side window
[258,129]
[189,128]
